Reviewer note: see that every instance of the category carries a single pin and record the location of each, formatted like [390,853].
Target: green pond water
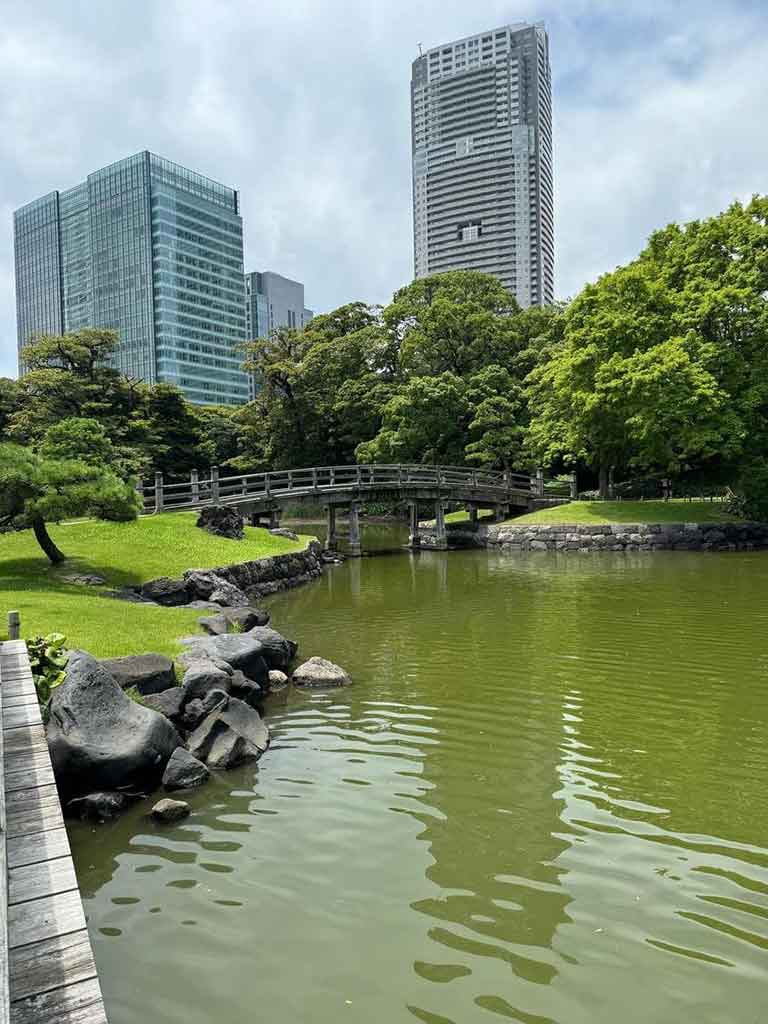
[545,799]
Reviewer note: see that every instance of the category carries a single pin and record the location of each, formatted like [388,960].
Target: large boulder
[166,590]
[245,618]
[201,677]
[228,595]
[148,673]
[246,689]
[202,582]
[278,652]
[283,531]
[238,650]
[319,672]
[197,709]
[184,771]
[229,735]
[223,521]
[99,739]
[214,625]
[169,703]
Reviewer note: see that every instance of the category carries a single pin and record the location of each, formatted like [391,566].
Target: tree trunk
[43,539]
[603,482]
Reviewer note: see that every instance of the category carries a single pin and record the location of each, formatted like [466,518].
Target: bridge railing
[160,494]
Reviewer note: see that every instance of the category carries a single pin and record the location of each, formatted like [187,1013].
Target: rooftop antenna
[421,52]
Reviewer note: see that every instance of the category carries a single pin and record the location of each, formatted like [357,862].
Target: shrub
[48,660]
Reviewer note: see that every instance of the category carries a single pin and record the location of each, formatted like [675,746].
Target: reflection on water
[545,799]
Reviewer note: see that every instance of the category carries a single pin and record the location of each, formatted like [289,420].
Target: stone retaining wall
[255,578]
[627,537]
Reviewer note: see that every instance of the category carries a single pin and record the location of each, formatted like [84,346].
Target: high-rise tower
[481,125]
[154,251]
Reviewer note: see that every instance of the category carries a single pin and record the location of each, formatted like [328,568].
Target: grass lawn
[125,554]
[600,512]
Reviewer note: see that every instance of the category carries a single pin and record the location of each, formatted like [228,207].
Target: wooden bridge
[47,970]
[261,495]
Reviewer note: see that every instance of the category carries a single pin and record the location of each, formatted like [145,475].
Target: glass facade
[152,250]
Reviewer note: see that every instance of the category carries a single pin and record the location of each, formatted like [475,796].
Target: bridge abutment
[330,533]
[354,530]
[414,534]
[441,536]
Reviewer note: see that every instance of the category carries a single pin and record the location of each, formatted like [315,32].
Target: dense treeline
[659,368]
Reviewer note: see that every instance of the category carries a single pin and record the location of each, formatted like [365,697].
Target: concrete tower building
[154,251]
[481,125]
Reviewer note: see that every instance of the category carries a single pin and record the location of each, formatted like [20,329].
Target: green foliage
[663,364]
[68,476]
[751,499]
[48,661]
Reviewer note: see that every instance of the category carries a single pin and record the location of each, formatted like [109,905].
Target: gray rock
[278,681]
[201,677]
[229,735]
[149,673]
[201,582]
[170,810]
[246,689]
[319,672]
[99,739]
[166,591]
[84,579]
[229,596]
[282,531]
[246,618]
[215,625]
[239,650]
[223,521]
[184,771]
[102,806]
[278,652]
[169,703]
[195,654]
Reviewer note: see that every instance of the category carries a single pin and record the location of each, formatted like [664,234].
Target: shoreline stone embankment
[110,749]
[582,537]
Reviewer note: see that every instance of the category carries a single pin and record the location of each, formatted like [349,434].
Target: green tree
[497,426]
[67,477]
[425,421]
[9,401]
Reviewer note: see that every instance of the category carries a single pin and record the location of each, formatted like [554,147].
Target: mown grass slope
[125,554]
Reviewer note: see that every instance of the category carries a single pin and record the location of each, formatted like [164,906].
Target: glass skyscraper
[152,250]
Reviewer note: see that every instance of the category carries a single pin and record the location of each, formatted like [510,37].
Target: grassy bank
[602,512]
[125,554]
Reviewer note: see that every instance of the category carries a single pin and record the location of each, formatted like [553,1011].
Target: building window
[470,231]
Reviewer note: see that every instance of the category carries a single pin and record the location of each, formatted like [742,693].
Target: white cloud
[305,109]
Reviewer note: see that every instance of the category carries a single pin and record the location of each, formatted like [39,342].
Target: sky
[659,115]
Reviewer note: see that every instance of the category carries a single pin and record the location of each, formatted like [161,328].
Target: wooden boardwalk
[47,971]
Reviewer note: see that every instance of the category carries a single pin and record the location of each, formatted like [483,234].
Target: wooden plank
[29,737]
[28,761]
[37,775]
[21,686]
[74,1004]
[26,713]
[37,846]
[22,700]
[50,964]
[34,881]
[44,918]
[39,812]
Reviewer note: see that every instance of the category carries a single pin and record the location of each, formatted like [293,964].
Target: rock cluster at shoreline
[109,750]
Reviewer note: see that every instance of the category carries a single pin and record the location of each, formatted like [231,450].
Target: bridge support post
[473,516]
[194,482]
[572,483]
[158,492]
[354,530]
[330,534]
[274,518]
[441,537]
[214,484]
[539,483]
[414,536]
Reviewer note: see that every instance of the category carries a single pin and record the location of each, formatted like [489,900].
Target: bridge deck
[48,970]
